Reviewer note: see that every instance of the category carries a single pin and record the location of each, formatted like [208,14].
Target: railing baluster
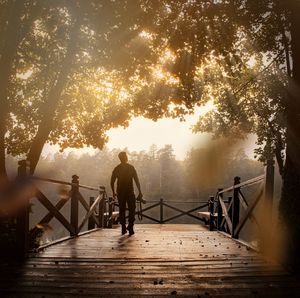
[74,204]
[101,210]
[110,212]
[212,213]
[219,210]
[235,207]
[229,210]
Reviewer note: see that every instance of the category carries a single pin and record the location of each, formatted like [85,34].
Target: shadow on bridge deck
[159,260]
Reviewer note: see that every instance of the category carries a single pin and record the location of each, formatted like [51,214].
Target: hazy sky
[142,133]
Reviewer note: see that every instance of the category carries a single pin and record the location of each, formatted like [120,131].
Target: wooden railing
[225,212]
[99,211]
[95,207]
[162,204]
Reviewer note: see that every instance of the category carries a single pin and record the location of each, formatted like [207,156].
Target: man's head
[123,157]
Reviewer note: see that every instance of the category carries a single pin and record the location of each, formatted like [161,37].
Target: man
[125,173]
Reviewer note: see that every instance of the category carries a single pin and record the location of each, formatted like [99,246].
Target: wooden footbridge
[161,259]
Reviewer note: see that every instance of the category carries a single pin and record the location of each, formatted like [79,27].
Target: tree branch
[49,108]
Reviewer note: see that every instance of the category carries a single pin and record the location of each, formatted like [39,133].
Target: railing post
[235,207]
[91,223]
[219,210]
[110,212]
[74,204]
[161,205]
[212,212]
[229,210]
[101,209]
[22,227]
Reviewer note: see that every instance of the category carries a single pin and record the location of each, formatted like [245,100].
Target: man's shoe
[124,230]
[130,230]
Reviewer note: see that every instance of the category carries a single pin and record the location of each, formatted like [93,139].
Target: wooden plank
[156,261]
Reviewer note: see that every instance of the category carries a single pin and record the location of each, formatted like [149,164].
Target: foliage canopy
[82,67]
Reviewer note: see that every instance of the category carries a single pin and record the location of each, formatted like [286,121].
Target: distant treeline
[161,174]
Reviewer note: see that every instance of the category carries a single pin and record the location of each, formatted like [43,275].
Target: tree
[65,77]
[290,203]
[12,32]
[229,34]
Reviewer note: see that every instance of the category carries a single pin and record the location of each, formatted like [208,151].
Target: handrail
[226,216]
[67,183]
[179,202]
[95,208]
[243,184]
[164,203]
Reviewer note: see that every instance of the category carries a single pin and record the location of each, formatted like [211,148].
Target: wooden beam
[87,208]
[248,212]
[54,181]
[228,221]
[245,205]
[244,184]
[219,209]
[44,200]
[48,217]
[58,206]
[224,219]
[91,210]
[149,217]
[148,208]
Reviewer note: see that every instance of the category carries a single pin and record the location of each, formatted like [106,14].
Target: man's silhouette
[125,173]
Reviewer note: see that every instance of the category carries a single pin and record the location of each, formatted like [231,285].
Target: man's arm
[137,181]
[112,182]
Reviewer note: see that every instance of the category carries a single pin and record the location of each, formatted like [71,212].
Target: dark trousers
[128,199]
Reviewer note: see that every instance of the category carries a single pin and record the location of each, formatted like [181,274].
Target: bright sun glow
[146,35]
[142,133]
[161,75]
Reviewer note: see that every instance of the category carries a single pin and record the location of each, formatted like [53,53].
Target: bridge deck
[158,260]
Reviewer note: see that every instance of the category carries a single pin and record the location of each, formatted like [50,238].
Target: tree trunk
[8,52]
[290,197]
[47,122]
[50,106]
